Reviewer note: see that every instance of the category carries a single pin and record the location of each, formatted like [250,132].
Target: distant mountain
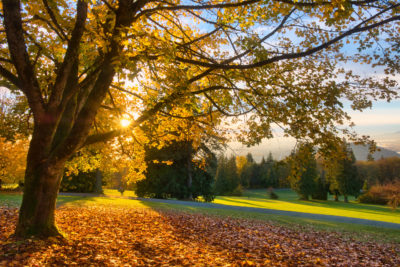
[281,147]
[389,141]
[361,152]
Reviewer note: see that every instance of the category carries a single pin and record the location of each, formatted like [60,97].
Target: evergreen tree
[343,175]
[227,178]
[321,187]
[83,182]
[171,174]
[303,171]
[269,172]
[246,174]
[221,180]
[250,158]
[347,179]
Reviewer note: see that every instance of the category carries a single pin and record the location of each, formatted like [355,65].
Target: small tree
[227,179]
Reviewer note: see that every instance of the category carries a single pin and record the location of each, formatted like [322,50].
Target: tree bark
[42,182]
[99,182]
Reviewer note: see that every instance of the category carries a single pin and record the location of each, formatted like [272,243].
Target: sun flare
[124,122]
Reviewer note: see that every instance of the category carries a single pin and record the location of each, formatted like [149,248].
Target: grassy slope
[358,232]
[288,200]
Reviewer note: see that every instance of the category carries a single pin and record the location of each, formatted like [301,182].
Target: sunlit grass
[115,193]
[9,186]
[99,201]
[288,201]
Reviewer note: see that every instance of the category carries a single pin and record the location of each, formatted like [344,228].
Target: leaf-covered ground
[113,236]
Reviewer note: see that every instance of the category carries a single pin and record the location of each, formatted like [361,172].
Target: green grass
[355,231]
[288,200]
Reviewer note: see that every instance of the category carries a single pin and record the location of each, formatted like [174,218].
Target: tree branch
[70,58]
[19,55]
[102,137]
[126,91]
[54,20]
[51,26]
[289,55]
[199,7]
[10,77]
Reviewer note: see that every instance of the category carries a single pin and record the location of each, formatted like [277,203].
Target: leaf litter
[114,236]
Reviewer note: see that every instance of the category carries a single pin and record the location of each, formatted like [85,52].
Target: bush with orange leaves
[383,194]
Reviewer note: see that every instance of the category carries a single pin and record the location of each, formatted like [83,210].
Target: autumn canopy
[179,67]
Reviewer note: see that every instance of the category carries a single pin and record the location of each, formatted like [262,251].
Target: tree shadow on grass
[241,201]
[65,200]
[356,207]
[290,197]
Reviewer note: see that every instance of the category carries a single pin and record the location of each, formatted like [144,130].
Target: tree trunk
[336,197]
[189,177]
[36,216]
[346,200]
[304,197]
[99,182]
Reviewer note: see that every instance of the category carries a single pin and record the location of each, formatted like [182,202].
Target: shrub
[370,198]
[272,194]
[393,194]
[383,194]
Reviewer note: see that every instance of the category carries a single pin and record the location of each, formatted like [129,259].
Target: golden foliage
[13,159]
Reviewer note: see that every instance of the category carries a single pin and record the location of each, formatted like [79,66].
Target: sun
[124,122]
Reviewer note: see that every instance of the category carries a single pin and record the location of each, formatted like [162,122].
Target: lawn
[353,231]
[288,200]
[115,193]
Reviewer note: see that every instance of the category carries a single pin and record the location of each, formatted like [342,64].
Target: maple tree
[276,61]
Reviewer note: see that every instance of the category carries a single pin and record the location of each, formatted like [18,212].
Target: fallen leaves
[113,236]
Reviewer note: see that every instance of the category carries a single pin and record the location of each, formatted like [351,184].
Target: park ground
[117,231]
